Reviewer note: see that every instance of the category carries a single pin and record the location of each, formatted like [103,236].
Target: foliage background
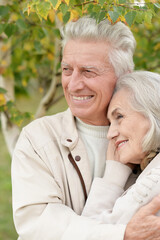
[30,64]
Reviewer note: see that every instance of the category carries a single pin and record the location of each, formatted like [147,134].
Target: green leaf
[21,24]
[2,27]
[43,9]
[122,1]
[114,15]
[66,17]
[118,9]
[27,115]
[54,2]
[148,17]
[139,17]
[37,46]
[41,33]
[90,8]
[97,9]
[10,29]
[4,10]
[57,32]
[58,67]
[101,16]
[102,2]
[93,15]
[2,90]
[64,8]
[130,17]
[10,104]
[35,1]
[157,5]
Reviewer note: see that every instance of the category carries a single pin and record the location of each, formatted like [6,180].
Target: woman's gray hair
[145,98]
[119,37]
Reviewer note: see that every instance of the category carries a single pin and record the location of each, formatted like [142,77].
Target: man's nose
[76,81]
[112,132]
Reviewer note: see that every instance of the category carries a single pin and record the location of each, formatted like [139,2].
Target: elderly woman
[134,134]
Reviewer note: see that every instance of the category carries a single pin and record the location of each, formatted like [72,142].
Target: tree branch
[48,98]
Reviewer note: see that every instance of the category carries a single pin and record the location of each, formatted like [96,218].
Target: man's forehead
[85,48]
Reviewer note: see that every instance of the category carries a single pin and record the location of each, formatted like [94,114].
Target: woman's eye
[119,116]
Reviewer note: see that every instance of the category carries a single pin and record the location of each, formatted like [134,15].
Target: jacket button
[69,140]
[77,158]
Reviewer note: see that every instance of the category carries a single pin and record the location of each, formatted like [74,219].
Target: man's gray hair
[118,36]
[145,98]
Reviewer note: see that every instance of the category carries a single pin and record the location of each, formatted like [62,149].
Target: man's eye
[89,74]
[67,71]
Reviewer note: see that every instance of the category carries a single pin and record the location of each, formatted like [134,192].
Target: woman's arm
[105,191]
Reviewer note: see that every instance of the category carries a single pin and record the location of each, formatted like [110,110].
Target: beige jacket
[51,178]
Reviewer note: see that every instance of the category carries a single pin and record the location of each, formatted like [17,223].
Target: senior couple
[93,171]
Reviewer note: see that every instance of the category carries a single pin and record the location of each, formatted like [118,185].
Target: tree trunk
[9,130]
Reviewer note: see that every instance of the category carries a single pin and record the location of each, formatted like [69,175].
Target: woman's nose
[112,132]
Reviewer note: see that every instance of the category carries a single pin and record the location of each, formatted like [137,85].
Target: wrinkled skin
[145,225]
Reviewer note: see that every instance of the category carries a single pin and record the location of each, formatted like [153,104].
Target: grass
[7,229]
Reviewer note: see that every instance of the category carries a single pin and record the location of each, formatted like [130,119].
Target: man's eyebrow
[90,68]
[64,64]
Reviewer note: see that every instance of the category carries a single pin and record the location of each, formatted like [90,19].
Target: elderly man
[57,157]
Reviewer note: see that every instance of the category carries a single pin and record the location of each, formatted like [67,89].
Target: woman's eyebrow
[113,113]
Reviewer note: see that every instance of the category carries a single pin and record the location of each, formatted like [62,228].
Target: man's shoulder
[46,121]
[45,129]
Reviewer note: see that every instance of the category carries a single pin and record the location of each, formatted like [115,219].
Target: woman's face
[127,128]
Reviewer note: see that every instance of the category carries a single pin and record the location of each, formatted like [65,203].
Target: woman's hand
[112,154]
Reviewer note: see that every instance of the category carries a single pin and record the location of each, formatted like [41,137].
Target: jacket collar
[69,130]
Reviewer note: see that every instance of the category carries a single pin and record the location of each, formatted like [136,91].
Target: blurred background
[30,74]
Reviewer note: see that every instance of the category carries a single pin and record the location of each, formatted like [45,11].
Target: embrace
[92,172]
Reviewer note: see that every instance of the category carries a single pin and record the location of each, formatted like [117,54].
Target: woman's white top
[108,202]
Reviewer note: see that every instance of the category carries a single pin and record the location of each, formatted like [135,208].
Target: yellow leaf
[2,99]
[34,70]
[21,68]
[139,54]
[51,15]
[122,19]
[74,15]
[19,122]
[3,63]
[29,9]
[57,5]
[4,48]
[27,46]
[157,47]
[50,56]
[24,83]
[60,16]
[14,17]
[41,90]
[109,18]
[67,1]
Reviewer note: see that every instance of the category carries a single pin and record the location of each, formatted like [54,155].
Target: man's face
[88,80]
